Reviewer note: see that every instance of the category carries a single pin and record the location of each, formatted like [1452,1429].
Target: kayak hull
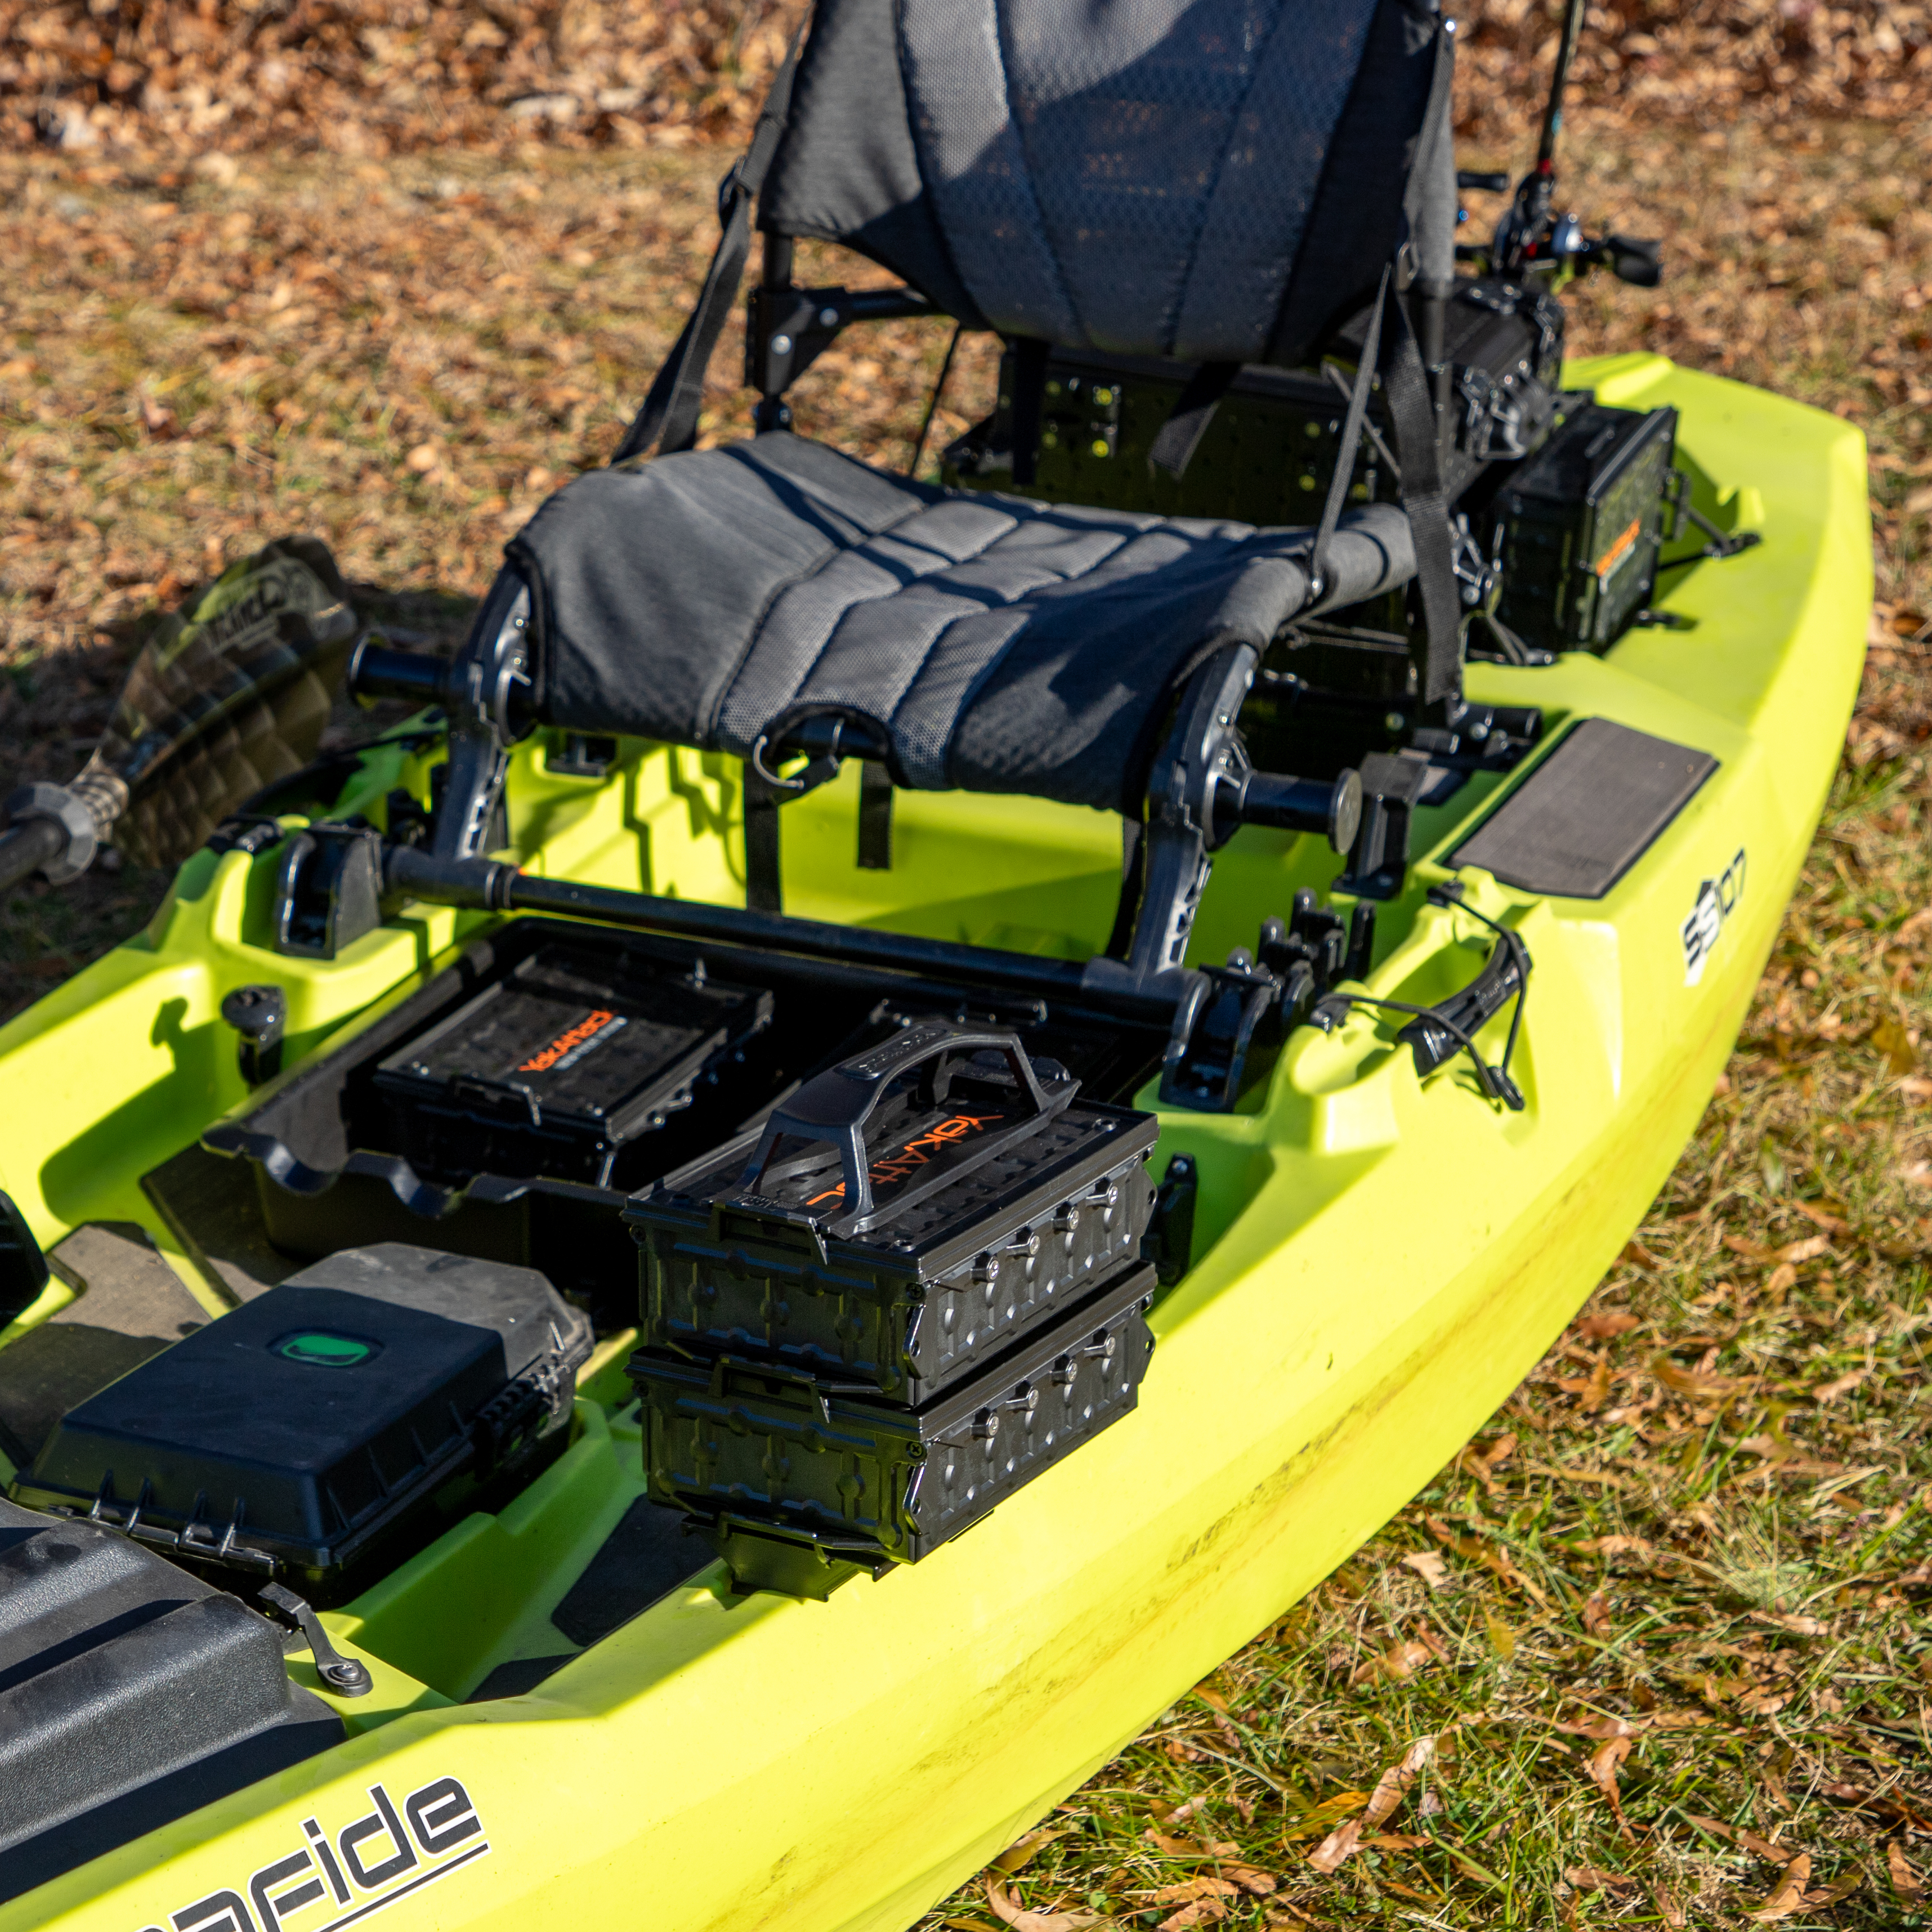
[1379,1260]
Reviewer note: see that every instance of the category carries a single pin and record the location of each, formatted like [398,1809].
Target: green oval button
[324,1350]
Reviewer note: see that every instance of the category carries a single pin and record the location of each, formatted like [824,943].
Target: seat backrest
[1215,180]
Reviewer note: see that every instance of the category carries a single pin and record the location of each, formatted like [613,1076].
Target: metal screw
[828,318]
[781,345]
[1393,721]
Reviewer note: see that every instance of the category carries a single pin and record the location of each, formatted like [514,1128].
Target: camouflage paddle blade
[234,697]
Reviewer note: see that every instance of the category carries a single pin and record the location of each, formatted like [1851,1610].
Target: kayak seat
[1212,183]
[721,598]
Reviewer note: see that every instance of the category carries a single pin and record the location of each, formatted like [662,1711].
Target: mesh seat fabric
[1000,643]
[1215,180]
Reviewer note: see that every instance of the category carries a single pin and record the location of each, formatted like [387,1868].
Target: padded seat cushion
[1004,645]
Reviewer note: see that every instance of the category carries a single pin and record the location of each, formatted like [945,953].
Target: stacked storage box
[915,1288]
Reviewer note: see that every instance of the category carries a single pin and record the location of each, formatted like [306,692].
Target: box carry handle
[834,1108]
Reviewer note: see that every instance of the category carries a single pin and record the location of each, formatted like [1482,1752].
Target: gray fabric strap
[1351,438]
[669,417]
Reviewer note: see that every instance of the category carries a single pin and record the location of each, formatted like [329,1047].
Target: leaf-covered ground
[1654,1650]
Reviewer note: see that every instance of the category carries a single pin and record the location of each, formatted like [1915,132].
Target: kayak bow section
[1377,1259]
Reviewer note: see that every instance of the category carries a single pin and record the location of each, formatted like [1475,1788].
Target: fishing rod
[1531,239]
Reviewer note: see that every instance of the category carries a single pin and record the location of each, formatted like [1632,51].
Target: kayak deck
[1377,1259]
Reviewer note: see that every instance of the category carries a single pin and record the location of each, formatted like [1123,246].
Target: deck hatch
[1588,812]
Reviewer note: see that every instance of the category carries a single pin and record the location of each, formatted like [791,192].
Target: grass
[1664,1621]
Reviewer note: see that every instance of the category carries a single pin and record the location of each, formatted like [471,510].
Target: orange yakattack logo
[571,1044]
[922,1149]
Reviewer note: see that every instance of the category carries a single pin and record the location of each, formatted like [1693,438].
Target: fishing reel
[1533,242]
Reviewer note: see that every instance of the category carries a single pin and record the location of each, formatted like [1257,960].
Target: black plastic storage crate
[902,1216]
[551,1068]
[316,1160]
[322,1432]
[1582,524]
[791,1480]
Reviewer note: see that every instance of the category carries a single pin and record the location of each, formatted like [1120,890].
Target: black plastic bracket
[1169,1241]
[260,1016]
[328,890]
[346,1676]
[787,329]
[1392,787]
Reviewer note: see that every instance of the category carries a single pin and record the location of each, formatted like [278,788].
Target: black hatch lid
[571,1039]
[130,1693]
[312,1411]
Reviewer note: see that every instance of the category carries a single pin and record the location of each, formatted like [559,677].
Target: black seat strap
[668,420]
[1029,392]
[1412,417]
[1180,437]
[1352,420]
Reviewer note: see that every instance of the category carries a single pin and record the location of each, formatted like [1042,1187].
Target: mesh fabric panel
[1002,644]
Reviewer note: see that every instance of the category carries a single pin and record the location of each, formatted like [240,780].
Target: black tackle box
[1582,524]
[551,1068]
[793,1481]
[900,1218]
[322,1432]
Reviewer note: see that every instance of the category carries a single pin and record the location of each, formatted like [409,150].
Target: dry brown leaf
[1879,1802]
[1588,1878]
[1202,1911]
[1398,1661]
[1808,1250]
[1006,1905]
[1840,1385]
[1251,1878]
[1596,1613]
[1637,1256]
[1592,1390]
[1601,1729]
[1190,1848]
[1682,1381]
[1605,1328]
[1394,1841]
[1502,1638]
[1189,1889]
[1831,1223]
[1325,1814]
[1022,1852]
[1613,1546]
[1830,1895]
[1602,1769]
[1787,1895]
[1392,1787]
[1335,1850]
[1905,1881]
[1429,1566]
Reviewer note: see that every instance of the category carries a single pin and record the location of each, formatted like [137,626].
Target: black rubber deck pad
[1588,813]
